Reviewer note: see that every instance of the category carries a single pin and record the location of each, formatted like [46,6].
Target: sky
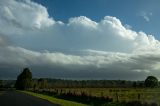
[80,39]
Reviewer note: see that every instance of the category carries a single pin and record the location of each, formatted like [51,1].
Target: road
[13,98]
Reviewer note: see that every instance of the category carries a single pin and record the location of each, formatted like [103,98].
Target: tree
[151,81]
[24,80]
[42,83]
[134,84]
[1,84]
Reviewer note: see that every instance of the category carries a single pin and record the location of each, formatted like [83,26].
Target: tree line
[25,81]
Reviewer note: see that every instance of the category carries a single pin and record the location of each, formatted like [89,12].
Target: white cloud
[82,22]
[128,26]
[4,41]
[91,64]
[79,33]
[146,15]
[83,33]
[104,49]
[23,15]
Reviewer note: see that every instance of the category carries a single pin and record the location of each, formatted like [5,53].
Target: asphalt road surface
[13,98]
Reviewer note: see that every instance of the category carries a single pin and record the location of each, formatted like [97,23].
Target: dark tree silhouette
[24,80]
[42,83]
[1,83]
[151,81]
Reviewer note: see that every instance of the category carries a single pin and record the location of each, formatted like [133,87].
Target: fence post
[117,98]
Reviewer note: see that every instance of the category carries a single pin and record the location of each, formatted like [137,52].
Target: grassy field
[145,95]
[122,94]
[55,100]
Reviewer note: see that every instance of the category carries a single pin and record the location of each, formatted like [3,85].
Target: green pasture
[120,94]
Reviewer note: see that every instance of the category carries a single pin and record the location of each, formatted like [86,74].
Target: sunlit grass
[54,100]
[149,95]
[124,94]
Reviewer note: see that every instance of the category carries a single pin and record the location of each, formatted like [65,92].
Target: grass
[1,92]
[54,100]
[145,95]
[124,94]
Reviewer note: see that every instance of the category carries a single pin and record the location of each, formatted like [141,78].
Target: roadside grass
[124,94]
[145,95]
[54,100]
